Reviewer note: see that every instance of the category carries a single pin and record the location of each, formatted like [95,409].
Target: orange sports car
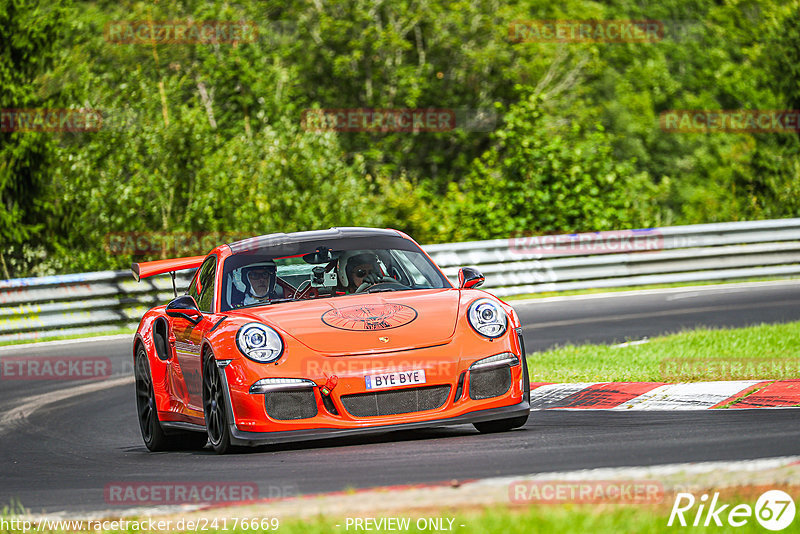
[310,335]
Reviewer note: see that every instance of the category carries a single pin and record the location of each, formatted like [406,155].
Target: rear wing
[152,268]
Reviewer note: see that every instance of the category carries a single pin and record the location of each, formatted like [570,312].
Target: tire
[215,407]
[153,435]
[501,425]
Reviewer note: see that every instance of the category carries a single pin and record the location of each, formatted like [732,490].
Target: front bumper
[445,366]
[240,437]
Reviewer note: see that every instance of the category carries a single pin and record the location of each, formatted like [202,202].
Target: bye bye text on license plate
[391,380]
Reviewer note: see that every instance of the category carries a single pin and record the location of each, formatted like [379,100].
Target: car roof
[313,235]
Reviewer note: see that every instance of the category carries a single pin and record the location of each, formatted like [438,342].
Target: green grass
[758,352]
[130,331]
[598,290]
[566,518]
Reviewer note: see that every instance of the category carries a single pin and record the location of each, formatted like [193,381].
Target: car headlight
[487,318]
[259,342]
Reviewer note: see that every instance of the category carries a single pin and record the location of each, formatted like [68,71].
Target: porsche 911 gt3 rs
[309,335]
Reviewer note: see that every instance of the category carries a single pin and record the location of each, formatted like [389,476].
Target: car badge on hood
[367,317]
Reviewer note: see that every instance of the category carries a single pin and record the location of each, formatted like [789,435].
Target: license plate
[393,380]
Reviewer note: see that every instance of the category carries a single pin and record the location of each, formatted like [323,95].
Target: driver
[260,283]
[361,268]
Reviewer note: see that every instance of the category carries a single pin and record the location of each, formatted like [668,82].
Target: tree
[29,32]
[538,179]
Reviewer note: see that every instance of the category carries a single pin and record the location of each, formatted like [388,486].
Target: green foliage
[694,356]
[283,180]
[206,137]
[538,179]
[27,48]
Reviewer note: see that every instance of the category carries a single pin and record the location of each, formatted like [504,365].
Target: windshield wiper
[266,303]
[382,290]
[276,301]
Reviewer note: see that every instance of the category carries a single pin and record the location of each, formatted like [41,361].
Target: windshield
[325,269]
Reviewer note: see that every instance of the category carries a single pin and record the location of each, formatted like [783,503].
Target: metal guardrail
[703,252]
[76,304]
[32,308]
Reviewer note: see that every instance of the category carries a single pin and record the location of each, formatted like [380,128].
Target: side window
[193,287]
[418,278]
[202,287]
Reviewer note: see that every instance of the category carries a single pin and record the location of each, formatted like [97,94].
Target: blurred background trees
[208,137]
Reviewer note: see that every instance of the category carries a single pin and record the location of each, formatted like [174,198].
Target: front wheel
[501,425]
[219,433]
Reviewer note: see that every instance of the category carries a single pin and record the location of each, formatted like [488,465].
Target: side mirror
[469,278]
[185,307]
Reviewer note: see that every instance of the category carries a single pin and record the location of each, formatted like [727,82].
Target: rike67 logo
[774,510]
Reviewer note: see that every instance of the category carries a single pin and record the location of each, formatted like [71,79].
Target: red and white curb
[622,396]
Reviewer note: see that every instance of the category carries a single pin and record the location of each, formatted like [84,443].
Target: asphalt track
[61,446]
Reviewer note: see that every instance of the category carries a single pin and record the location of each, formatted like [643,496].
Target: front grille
[487,383]
[287,405]
[396,401]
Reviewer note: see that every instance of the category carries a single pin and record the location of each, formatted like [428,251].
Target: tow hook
[329,385]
